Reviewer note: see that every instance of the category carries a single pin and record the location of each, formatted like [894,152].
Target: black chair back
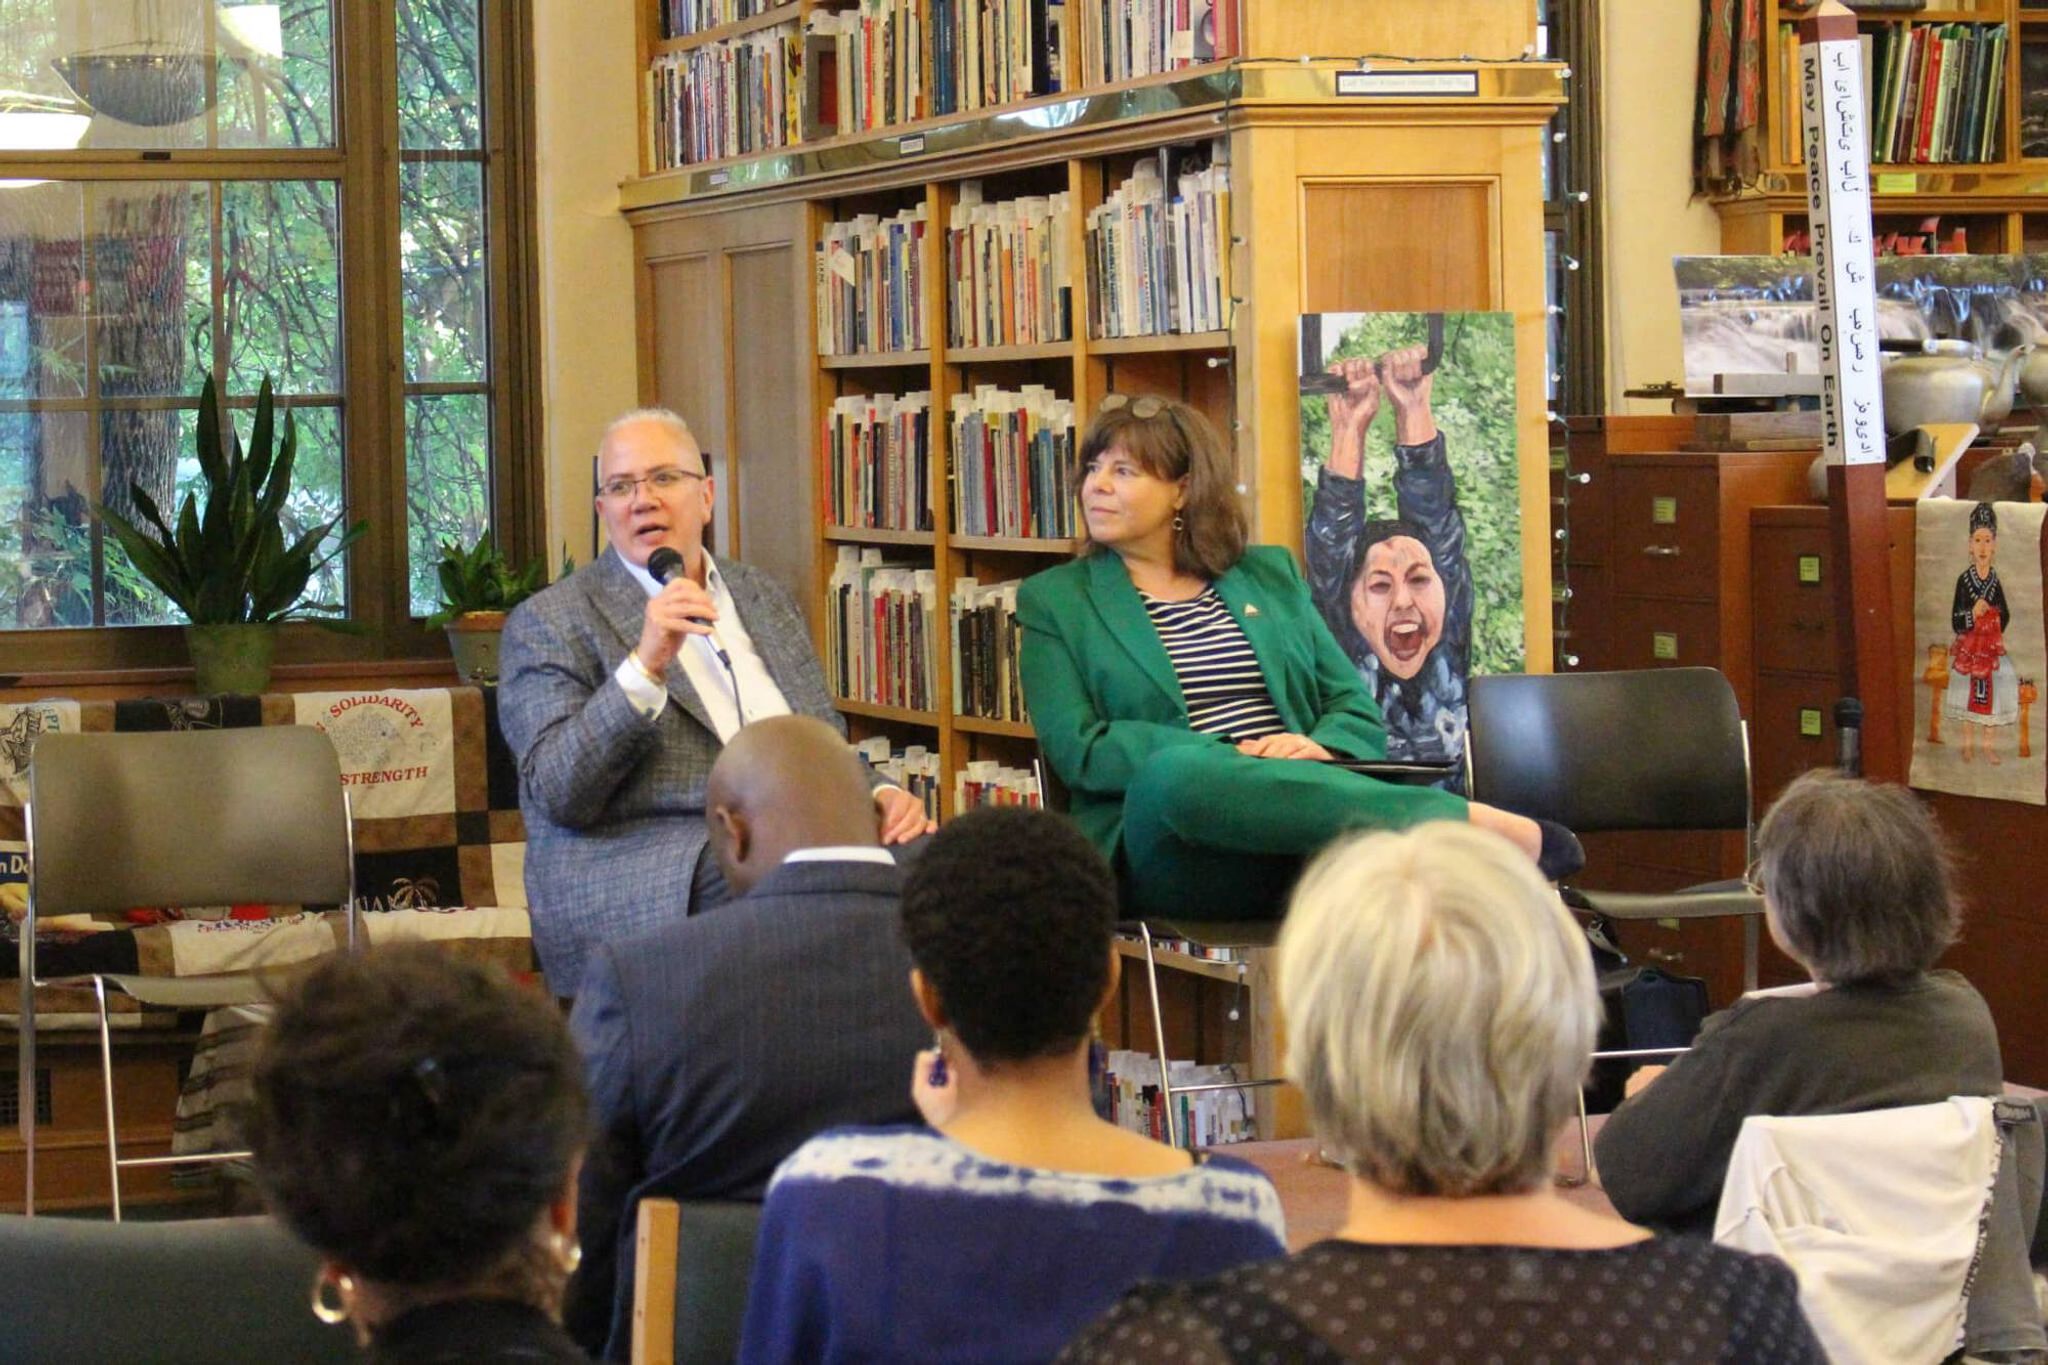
[200,1291]
[1659,748]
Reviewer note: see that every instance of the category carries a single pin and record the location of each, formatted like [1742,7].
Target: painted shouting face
[1397,603]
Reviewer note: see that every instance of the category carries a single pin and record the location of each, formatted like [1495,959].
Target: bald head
[782,784]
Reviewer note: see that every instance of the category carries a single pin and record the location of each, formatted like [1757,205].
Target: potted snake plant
[478,587]
[226,562]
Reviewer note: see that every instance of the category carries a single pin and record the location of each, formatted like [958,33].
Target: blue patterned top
[900,1244]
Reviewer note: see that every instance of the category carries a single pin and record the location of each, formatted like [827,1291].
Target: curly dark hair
[414,1112]
[1008,914]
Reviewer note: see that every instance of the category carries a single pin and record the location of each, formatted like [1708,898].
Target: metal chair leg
[99,988]
[1750,950]
[1159,1036]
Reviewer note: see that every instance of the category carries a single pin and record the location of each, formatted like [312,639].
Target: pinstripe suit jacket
[614,804]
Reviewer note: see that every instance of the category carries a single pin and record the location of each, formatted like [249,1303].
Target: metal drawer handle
[1581,477]
[1661,551]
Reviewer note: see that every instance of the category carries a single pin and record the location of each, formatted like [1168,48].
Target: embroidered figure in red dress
[1983,691]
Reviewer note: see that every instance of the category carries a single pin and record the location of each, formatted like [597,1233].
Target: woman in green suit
[1172,672]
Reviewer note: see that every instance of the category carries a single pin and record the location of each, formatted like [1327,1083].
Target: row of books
[1210,1118]
[1009,269]
[1932,93]
[986,683]
[989,52]
[678,18]
[1121,39]
[878,459]
[915,768]
[1159,258]
[880,631]
[726,98]
[871,60]
[870,282]
[985,782]
[1013,463]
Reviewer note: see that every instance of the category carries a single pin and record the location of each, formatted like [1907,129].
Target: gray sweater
[1663,1155]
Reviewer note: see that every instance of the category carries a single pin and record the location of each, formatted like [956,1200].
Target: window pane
[137,70]
[45,527]
[277,74]
[316,494]
[281,297]
[144,448]
[439,58]
[42,295]
[447,483]
[151,258]
[441,246]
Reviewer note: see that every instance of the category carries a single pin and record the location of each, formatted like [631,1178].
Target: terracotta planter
[232,659]
[473,639]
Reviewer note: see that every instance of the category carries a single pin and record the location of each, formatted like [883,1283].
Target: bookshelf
[1970,152]
[765,341]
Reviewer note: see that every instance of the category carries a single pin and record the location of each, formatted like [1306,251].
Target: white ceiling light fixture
[259,28]
[38,123]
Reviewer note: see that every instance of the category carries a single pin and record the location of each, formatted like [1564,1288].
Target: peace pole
[1852,402]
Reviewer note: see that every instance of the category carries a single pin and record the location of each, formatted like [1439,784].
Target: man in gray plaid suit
[618,693]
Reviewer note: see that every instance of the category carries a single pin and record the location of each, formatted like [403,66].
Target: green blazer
[1102,692]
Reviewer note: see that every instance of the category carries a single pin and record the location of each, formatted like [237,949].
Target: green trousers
[1210,833]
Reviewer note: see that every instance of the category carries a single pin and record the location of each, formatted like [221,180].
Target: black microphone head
[664,564]
[1848,712]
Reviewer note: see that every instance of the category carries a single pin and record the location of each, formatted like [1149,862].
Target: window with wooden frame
[333,194]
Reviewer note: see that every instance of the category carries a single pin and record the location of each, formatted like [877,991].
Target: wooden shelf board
[1025,545]
[787,13]
[986,355]
[1171,959]
[879,360]
[866,535]
[1008,729]
[1168,341]
[876,711]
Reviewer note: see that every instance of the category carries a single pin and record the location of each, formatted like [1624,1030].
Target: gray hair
[1856,878]
[1441,1010]
[668,420]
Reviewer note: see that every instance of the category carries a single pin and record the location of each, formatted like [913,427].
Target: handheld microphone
[663,566]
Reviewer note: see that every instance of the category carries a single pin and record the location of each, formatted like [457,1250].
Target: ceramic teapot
[2005,369]
[2033,383]
[1946,381]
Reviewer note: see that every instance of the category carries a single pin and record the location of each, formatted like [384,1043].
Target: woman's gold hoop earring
[568,1253]
[344,1304]
[1179,522]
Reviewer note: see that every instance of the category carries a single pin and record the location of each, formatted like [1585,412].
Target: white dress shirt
[705,670]
[840,853]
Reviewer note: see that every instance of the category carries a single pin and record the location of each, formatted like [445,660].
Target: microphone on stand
[1849,736]
[664,565]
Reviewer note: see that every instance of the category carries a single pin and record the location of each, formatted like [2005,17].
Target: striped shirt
[1219,675]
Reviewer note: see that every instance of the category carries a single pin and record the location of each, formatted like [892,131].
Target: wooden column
[1852,404]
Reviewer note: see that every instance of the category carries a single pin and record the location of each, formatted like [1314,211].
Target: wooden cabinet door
[1667,526]
[1792,593]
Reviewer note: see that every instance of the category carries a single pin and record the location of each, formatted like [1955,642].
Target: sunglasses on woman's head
[1143,407]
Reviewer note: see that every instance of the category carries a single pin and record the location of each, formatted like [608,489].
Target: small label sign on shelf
[911,145]
[719,178]
[1384,84]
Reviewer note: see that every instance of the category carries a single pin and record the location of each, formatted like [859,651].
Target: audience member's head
[1440,1007]
[1008,915]
[1856,880]
[417,1119]
[782,784]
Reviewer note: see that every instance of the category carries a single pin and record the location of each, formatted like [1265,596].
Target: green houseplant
[478,586]
[226,564]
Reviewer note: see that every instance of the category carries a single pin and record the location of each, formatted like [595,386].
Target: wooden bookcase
[1337,204]
[2002,204]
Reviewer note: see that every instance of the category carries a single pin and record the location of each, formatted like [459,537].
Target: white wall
[1650,58]
[586,115]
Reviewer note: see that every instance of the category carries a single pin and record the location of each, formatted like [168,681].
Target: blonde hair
[1441,1009]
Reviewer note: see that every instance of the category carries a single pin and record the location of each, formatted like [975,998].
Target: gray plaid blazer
[614,804]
